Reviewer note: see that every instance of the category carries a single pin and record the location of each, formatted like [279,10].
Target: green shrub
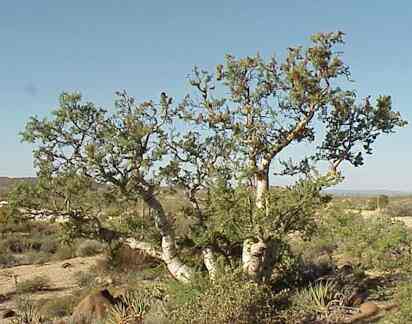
[16,244]
[64,252]
[132,309]
[38,283]
[89,248]
[27,312]
[36,257]
[403,314]
[49,245]
[57,307]
[377,243]
[7,260]
[85,279]
[231,299]
[315,299]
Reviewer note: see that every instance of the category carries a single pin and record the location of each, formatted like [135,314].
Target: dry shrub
[37,283]
[125,259]
[89,248]
[403,314]
[231,299]
[64,252]
[57,307]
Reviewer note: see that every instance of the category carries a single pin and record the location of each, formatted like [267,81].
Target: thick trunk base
[259,258]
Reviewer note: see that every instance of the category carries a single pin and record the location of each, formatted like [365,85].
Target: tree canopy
[218,144]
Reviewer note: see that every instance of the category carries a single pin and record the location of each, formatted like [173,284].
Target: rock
[3,298]
[67,265]
[8,313]
[94,306]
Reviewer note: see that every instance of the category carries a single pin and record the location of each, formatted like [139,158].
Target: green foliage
[37,283]
[64,252]
[264,106]
[375,243]
[7,260]
[403,313]
[316,298]
[132,309]
[95,165]
[231,299]
[231,217]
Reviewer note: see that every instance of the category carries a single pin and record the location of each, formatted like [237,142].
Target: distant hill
[6,183]
[367,193]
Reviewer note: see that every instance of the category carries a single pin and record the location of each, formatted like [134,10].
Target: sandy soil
[62,279]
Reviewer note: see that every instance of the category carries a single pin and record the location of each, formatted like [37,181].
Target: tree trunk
[258,258]
[170,256]
[209,259]
[262,183]
[259,254]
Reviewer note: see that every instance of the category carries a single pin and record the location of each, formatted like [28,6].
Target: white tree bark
[209,259]
[147,248]
[170,255]
[262,183]
[258,259]
[177,268]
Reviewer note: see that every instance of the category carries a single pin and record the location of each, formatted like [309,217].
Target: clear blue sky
[98,47]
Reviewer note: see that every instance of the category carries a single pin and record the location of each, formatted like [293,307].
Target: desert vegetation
[175,201]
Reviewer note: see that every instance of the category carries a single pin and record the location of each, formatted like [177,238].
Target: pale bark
[209,259]
[262,183]
[146,247]
[176,267]
[258,259]
[170,255]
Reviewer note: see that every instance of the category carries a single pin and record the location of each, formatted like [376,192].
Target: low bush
[49,245]
[57,307]
[36,257]
[402,208]
[377,243]
[38,283]
[403,313]
[125,259]
[7,260]
[89,248]
[85,279]
[26,312]
[64,252]
[132,309]
[315,300]
[378,202]
[231,299]
[15,244]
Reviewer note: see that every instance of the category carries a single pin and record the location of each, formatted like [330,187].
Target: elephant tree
[225,134]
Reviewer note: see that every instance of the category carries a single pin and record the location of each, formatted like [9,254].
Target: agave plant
[317,297]
[131,310]
[27,313]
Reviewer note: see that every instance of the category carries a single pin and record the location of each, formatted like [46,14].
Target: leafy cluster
[217,144]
